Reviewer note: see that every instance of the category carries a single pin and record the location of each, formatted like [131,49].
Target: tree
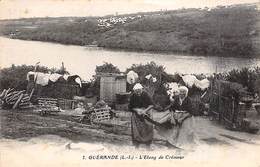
[149,68]
[107,68]
[104,68]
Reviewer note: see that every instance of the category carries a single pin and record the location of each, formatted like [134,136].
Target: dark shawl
[185,106]
[142,130]
[142,101]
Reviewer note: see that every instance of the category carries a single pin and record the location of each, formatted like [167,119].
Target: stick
[2,94]
[31,94]
[11,94]
[6,92]
[17,102]
[14,96]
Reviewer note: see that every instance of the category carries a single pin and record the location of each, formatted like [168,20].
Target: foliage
[246,77]
[156,71]
[104,68]
[146,69]
[107,68]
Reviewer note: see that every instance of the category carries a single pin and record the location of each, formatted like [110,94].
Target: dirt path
[32,140]
[28,124]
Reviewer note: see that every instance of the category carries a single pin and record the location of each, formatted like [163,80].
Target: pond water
[83,60]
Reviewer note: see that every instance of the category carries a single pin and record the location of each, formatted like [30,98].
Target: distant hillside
[223,31]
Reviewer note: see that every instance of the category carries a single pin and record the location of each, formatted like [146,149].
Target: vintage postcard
[129,83]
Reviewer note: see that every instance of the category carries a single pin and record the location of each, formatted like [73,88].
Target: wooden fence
[225,109]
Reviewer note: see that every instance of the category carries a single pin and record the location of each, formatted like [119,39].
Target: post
[219,102]
[34,82]
[233,110]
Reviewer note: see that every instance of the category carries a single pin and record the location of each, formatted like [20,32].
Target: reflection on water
[83,60]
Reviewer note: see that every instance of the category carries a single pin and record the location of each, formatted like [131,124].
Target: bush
[155,89]
[107,68]
[246,77]
[149,68]
[104,68]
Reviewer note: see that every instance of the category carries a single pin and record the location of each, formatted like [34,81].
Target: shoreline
[166,53]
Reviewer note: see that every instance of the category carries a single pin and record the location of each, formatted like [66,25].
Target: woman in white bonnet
[181,132]
[183,113]
[140,103]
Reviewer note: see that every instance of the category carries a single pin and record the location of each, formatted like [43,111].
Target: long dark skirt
[142,130]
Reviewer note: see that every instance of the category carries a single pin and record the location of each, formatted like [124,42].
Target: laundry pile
[15,99]
[131,77]
[191,80]
[44,78]
[188,80]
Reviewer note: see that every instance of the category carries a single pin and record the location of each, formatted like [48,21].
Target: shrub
[155,89]
[149,68]
[246,77]
[107,68]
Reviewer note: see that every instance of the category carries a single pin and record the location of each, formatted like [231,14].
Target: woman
[140,104]
[180,134]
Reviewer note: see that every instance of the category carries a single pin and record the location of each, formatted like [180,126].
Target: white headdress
[138,86]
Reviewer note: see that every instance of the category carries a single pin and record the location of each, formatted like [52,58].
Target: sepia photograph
[129,82]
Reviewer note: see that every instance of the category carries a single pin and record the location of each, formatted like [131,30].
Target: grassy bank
[222,31]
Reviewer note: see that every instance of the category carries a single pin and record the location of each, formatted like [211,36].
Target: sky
[10,9]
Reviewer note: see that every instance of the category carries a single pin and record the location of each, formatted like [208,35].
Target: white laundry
[30,73]
[203,84]
[189,80]
[78,80]
[154,79]
[131,77]
[54,77]
[148,76]
[66,76]
[173,88]
[42,79]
